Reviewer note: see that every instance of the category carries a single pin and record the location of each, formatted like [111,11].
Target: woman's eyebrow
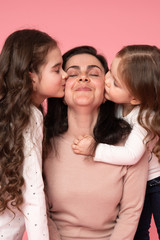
[74,66]
[93,66]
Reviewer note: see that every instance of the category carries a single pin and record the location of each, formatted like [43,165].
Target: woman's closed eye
[94,73]
[72,73]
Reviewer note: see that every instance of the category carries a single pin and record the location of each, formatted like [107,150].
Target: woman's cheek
[70,83]
[68,91]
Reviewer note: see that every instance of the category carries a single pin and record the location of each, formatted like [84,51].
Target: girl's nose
[107,82]
[64,74]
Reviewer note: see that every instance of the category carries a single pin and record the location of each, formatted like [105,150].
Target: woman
[89,200]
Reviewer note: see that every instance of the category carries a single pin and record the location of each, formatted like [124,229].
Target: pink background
[108,25]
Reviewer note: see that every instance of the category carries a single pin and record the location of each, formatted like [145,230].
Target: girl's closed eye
[57,69]
[115,83]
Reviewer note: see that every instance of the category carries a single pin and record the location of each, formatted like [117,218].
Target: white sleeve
[34,207]
[128,154]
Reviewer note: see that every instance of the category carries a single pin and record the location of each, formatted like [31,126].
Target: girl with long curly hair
[133,82]
[30,72]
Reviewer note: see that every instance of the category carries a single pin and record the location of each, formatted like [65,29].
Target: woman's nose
[83,78]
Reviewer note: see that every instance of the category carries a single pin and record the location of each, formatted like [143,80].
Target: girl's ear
[34,78]
[135,101]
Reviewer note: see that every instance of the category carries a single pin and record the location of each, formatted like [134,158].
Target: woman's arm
[53,231]
[34,207]
[132,200]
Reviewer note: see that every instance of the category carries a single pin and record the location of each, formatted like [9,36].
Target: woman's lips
[83,89]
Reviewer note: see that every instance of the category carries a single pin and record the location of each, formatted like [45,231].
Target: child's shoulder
[131,117]
[36,115]
[35,122]
[133,112]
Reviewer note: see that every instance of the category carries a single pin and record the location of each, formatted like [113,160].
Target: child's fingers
[76,141]
[76,151]
[74,146]
[80,138]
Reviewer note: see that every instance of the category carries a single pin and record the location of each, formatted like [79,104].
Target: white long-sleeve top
[33,216]
[133,149]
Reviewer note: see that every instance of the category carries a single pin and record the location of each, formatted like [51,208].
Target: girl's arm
[128,154]
[34,207]
[132,201]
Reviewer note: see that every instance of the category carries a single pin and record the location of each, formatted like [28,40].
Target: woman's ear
[135,101]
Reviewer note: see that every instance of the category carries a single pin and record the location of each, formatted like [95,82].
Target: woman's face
[85,83]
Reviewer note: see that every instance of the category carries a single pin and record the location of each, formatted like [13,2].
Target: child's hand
[84,145]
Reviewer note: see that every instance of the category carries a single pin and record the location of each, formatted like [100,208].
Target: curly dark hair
[108,128]
[139,68]
[24,51]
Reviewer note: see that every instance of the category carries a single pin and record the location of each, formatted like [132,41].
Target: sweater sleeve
[128,154]
[34,207]
[132,201]
[53,231]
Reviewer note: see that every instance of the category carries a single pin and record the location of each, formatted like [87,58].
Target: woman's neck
[81,122]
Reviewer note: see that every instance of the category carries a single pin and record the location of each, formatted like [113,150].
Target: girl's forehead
[115,63]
